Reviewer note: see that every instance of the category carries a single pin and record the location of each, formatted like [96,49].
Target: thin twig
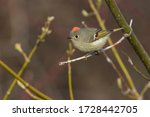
[123,86]
[76,59]
[146,87]
[33,96]
[70,52]
[70,81]
[136,69]
[27,85]
[41,37]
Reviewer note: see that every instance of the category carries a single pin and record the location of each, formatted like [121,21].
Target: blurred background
[21,21]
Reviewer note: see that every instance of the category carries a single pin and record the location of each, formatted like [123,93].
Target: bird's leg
[96,52]
[91,53]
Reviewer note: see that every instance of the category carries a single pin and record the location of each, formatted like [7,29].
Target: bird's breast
[90,46]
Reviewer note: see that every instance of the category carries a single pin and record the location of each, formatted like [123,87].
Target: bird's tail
[103,33]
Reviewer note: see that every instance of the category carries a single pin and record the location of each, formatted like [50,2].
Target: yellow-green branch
[27,85]
[114,50]
[41,37]
[70,52]
[144,57]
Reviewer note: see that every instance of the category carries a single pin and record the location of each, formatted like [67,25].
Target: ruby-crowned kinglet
[90,39]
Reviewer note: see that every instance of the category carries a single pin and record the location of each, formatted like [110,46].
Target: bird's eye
[96,35]
[76,36]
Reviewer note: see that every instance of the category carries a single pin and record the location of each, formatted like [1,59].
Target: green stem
[114,50]
[21,71]
[70,81]
[39,40]
[146,87]
[132,39]
[70,52]
[17,77]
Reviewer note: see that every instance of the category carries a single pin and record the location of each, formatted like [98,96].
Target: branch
[70,52]
[146,87]
[114,50]
[27,85]
[136,69]
[144,57]
[76,59]
[41,38]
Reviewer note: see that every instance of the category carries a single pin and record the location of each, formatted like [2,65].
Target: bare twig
[123,86]
[136,69]
[76,59]
[41,37]
[146,87]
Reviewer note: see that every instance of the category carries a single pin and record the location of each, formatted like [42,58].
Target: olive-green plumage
[90,39]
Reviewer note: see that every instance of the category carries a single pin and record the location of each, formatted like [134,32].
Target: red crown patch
[75,29]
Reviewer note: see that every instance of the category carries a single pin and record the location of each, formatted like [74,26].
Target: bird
[90,39]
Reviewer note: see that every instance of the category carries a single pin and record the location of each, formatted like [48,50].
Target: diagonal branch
[27,85]
[114,50]
[140,51]
[45,31]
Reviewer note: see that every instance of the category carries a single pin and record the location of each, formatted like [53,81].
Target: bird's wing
[100,34]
